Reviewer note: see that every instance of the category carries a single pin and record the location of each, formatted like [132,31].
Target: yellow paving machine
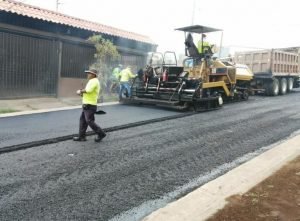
[201,83]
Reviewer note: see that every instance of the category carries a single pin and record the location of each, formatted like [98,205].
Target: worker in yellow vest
[124,76]
[204,47]
[114,79]
[90,96]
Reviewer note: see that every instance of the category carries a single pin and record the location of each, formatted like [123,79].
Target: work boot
[79,138]
[100,137]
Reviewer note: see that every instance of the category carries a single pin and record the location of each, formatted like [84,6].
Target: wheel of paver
[273,88]
[283,86]
[290,84]
[245,95]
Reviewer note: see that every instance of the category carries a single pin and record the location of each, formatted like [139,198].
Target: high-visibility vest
[205,46]
[125,75]
[92,92]
[116,71]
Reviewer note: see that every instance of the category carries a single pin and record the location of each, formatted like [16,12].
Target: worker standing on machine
[90,96]
[125,75]
[204,47]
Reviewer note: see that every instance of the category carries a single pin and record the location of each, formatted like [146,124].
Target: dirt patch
[276,198]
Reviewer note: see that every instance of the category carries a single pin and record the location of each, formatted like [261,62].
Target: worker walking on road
[89,106]
[124,77]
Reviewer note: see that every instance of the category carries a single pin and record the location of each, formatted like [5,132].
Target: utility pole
[221,45]
[193,12]
[57,3]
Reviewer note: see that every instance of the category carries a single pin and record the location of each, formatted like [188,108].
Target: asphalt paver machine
[201,83]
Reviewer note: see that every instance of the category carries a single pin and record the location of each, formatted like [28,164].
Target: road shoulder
[209,198]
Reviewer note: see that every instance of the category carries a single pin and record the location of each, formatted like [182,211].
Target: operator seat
[191,49]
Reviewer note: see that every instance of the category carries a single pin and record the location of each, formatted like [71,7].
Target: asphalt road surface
[34,127]
[134,171]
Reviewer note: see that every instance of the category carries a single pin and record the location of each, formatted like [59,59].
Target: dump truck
[200,83]
[276,71]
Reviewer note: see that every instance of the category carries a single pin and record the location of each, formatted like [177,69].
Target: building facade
[44,53]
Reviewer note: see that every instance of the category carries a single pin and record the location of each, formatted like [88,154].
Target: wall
[67,87]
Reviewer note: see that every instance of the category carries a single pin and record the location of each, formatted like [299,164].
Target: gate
[28,66]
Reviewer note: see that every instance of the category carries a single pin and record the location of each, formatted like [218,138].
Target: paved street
[134,171]
[35,127]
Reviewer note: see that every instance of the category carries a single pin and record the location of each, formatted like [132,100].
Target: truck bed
[270,63]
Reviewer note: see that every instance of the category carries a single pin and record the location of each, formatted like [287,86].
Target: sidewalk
[38,103]
[41,104]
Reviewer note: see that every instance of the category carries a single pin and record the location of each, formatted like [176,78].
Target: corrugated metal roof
[59,18]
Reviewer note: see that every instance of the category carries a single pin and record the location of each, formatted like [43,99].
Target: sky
[246,24]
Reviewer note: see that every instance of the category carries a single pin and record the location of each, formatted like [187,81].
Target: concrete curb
[208,199]
[50,110]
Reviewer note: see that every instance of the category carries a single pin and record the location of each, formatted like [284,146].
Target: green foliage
[105,57]
[8,110]
[106,51]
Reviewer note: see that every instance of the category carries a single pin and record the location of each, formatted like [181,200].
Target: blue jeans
[124,85]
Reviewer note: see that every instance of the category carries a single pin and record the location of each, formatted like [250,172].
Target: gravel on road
[135,171]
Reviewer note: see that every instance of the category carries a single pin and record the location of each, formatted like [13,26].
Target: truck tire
[283,86]
[273,88]
[290,84]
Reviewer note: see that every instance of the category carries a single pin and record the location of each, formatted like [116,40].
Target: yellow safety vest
[125,75]
[205,46]
[92,92]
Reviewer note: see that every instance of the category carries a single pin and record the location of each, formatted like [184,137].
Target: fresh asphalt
[35,127]
[134,171]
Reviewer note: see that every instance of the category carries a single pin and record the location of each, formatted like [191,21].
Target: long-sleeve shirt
[125,75]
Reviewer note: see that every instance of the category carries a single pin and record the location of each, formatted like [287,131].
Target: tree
[106,55]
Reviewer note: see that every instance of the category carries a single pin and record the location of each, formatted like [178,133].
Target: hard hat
[92,71]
